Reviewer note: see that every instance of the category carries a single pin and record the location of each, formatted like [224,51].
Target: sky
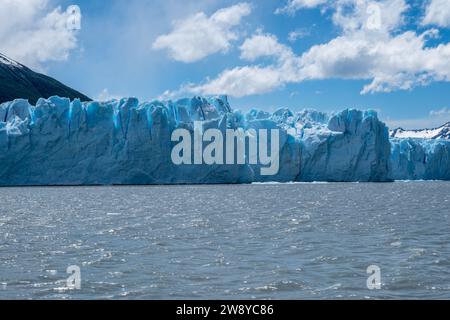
[392,56]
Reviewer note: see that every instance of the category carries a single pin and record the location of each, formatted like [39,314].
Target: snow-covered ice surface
[63,142]
[442,132]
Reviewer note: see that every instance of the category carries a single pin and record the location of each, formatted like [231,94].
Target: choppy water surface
[295,241]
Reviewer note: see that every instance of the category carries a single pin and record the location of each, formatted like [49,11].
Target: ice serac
[64,142]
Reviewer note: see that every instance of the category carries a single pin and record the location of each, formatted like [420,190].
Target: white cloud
[391,62]
[437,13]
[200,36]
[241,81]
[370,47]
[294,5]
[105,95]
[33,34]
[263,45]
[250,80]
[441,112]
[293,36]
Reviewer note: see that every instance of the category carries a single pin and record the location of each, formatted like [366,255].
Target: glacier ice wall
[352,146]
[420,159]
[63,142]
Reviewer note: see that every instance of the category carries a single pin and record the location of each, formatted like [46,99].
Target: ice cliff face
[63,142]
[420,159]
[348,146]
[59,142]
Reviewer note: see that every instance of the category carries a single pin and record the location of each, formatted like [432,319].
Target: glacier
[420,159]
[119,142]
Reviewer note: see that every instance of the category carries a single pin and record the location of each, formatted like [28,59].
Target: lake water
[269,241]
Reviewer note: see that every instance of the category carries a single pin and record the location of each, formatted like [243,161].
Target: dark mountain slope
[18,81]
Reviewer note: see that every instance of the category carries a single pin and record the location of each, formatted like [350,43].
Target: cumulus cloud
[370,47]
[263,45]
[437,13]
[199,36]
[294,5]
[251,80]
[392,62]
[33,33]
[240,82]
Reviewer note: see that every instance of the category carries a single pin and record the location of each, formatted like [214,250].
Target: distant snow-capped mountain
[18,81]
[442,132]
